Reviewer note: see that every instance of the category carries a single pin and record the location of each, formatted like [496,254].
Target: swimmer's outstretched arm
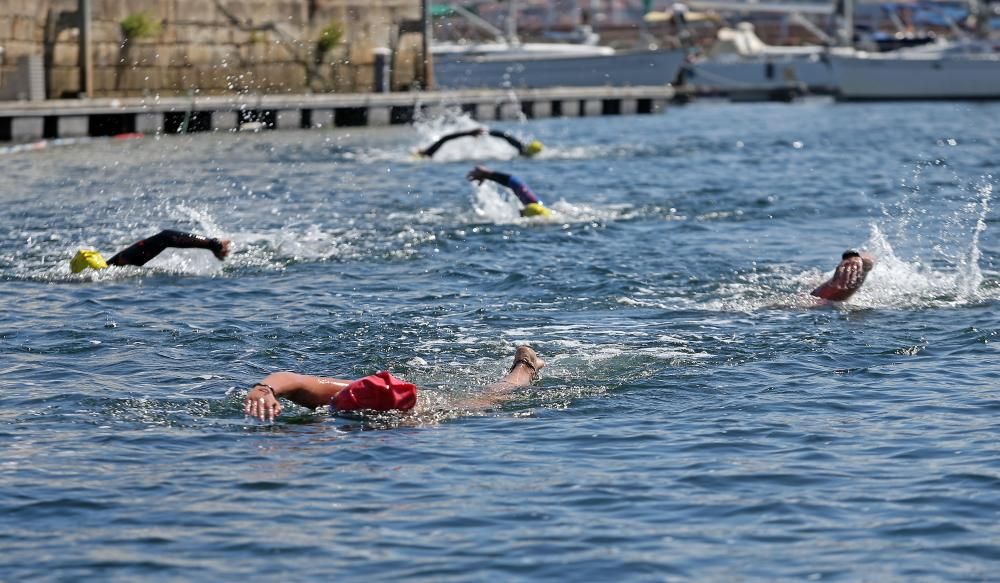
[518,144]
[429,151]
[305,390]
[143,251]
[520,188]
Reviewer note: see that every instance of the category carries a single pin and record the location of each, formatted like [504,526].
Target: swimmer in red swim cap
[377,392]
[848,277]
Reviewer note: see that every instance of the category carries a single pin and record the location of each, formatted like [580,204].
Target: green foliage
[140,25]
[329,38]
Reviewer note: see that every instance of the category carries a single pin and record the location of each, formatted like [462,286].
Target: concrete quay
[24,121]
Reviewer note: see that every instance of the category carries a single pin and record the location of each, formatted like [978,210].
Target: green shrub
[140,25]
[329,38]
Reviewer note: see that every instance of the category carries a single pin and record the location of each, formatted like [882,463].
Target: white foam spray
[924,258]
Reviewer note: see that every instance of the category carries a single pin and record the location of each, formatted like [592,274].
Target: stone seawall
[182,47]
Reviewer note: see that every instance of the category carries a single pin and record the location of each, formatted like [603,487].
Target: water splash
[973,275]
[495,205]
[432,124]
[898,282]
[943,255]
[937,267]
[430,129]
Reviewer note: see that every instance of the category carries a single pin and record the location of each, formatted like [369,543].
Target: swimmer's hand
[868,262]
[847,278]
[223,250]
[478,174]
[262,403]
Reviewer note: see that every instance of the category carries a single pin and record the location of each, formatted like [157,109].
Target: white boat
[505,62]
[944,70]
[536,65]
[740,63]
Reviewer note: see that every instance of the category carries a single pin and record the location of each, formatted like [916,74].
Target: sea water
[700,417]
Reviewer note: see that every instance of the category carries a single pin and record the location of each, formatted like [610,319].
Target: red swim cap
[378,392]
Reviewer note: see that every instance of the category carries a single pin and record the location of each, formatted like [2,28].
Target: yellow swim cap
[535,209]
[533,147]
[85,258]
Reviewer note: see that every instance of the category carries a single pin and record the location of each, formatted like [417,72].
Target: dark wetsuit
[514,183]
[433,148]
[516,143]
[143,251]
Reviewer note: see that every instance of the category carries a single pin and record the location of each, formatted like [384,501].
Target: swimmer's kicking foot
[524,369]
[522,372]
[848,277]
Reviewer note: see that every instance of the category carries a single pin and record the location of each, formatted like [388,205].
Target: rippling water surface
[700,417]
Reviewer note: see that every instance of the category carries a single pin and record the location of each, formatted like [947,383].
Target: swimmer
[381,392]
[143,251]
[532,206]
[524,149]
[848,277]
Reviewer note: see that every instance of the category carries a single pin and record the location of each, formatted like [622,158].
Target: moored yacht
[966,69]
[506,62]
[536,65]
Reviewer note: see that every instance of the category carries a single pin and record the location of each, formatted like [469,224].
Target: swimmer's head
[533,147]
[85,258]
[535,209]
[850,253]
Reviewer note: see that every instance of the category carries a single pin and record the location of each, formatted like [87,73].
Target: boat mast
[981,11]
[512,23]
[845,14]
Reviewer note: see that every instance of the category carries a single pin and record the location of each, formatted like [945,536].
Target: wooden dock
[25,121]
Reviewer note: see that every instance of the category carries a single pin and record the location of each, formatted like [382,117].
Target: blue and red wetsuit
[514,183]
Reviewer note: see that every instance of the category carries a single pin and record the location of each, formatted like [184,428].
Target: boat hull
[458,71]
[867,77]
[714,76]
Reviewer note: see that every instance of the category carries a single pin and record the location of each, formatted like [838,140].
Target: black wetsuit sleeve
[518,144]
[140,252]
[429,151]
